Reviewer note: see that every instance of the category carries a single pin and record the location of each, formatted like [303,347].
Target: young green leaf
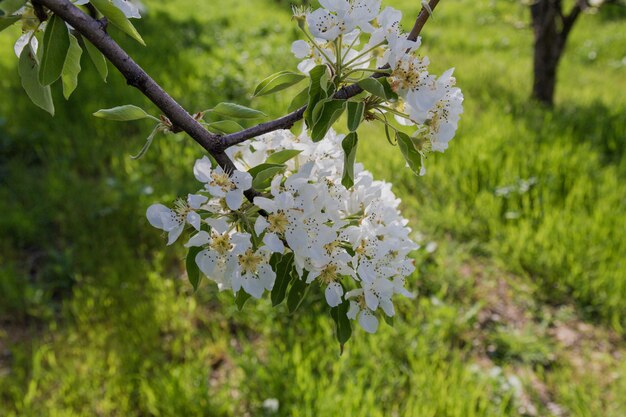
[349,151]
[147,145]
[331,111]
[277,82]
[29,73]
[241,298]
[297,292]
[236,111]
[56,42]
[224,126]
[71,68]
[263,178]
[412,156]
[342,323]
[122,113]
[283,156]
[317,91]
[6,22]
[193,272]
[378,87]
[99,61]
[283,266]
[117,18]
[299,100]
[356,111]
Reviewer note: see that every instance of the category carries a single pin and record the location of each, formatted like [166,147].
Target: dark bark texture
[551,28]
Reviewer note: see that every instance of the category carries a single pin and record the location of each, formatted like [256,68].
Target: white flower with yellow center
[252,272]
[222,185]
[173,221]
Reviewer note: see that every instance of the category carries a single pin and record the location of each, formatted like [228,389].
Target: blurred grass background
[522,291]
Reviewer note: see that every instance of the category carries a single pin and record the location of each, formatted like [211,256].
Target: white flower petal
[333,293]
[273,242]
[234,199]
[368,321]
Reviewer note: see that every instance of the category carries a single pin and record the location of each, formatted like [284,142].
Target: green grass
[97,319]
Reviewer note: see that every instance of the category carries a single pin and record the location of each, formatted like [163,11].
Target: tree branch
[570,19]
[135,76]
[345,93]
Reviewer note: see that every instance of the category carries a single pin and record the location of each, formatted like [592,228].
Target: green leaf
[98,59]
[117,18]
[378,87]
[299,100]
[263,174]
[356,111]
[317,91]
[236,111]
[193,272]
[224,126]
[331,111]
[277,82]
[29,73]
[349,150]
[241,298]
[412,156]
[122,113]
[71,68]
[147,145]
[283,156]
[8,7]
[388,320]
[283,266]
[297,292]
[56,42]
[6,22]
[343,327]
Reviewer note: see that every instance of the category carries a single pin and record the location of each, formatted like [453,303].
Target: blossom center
[277,222]
[221,243]
[249,261]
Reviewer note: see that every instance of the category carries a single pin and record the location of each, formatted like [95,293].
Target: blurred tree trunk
[551,28]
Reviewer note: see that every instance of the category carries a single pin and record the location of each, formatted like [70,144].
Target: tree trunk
[548,47]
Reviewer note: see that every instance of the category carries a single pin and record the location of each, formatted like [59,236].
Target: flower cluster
[352,242]
[432,104]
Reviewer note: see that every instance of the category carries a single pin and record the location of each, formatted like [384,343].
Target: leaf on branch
[224,126]
[283,156]
[349,145]
[6,22]
[343,327]
[99,61]
[297,293]
[412,156]
[299,100]
[263,174]
[124,113]
[283,267]
[56,42]
[317,91]
[8,7]
[71,68]
[117,18]
[241,298]
[324,115]
[193,272]
[147,145]
[378,87]
[356,110]
[236,111]
[29,73]
[277,82]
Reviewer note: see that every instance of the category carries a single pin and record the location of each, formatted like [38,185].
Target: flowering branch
[135,76]
[345,93]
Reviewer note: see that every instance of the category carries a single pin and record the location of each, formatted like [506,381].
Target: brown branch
[345,93]
[570,19]
[92,29]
